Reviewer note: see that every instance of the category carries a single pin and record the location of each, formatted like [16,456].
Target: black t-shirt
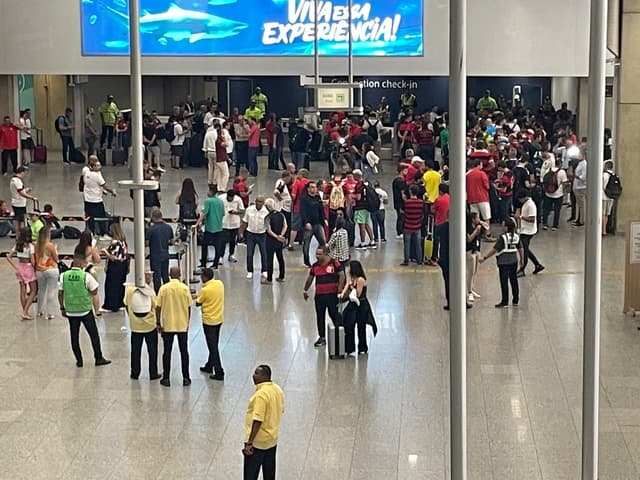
[520,175]
[151,198]
[474,245]
[359,140]
[159,236]
[301,140]
[149,131]
[398,186]
[275,220]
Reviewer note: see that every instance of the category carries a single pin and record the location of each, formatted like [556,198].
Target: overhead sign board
[255,27]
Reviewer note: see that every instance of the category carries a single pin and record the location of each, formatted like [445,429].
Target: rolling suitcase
[76,156]
[335,339]
[428,239]
[102,156]
[40,152]
[119,157]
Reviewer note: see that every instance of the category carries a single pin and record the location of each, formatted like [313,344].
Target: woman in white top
[25,272]
[26,141]
[370,163]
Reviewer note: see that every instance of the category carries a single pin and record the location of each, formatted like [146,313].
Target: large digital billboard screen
[254,27]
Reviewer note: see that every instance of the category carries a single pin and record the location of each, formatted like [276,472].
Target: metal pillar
[457,236]
[316,45]
[593,250]
[350,48]
[615,110]
[136,135]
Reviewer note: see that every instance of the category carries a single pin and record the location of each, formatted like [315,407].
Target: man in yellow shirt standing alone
[262,426]
[211,300]
[173,313]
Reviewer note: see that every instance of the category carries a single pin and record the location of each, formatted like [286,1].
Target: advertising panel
[254,27]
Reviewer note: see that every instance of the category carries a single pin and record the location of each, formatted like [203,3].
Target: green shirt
[109,113]
[444,138]
[35,229]
[213,212]
[77,298]
[254,113]
[487,103]
[261,101]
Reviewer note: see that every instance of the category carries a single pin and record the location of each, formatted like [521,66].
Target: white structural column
[593,251]
[457,236]
[136,143]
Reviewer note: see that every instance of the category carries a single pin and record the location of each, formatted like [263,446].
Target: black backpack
[371,198]
[372,131]
[56,124]
[613,188]
[71,233]
[170,132]
[550,181]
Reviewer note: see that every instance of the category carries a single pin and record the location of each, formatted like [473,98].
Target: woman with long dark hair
[187,200]
[25,272]
[358,312]
[86,248]
[116,270]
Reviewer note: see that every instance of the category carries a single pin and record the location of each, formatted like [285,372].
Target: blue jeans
[377,218]
[412,246]
[252,161]
[316,231]
[259,240]
[67,147]
[298,159]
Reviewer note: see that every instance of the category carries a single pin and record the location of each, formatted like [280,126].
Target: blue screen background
[232,28]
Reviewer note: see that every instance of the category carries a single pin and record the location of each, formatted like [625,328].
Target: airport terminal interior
[374,106]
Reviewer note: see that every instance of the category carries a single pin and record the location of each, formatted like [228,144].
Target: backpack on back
[336,197]
[81,183]
[613,188]
[372,198]
[550,181]
[372,131]
[56,124]
[170,132]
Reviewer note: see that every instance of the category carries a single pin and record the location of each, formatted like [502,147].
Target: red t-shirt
[440,209]
[423,136]
[254,135]
[406,127]
[506,183]
[269,129]
[299,186]
[477,186]
[413,213]
[9,137]
[327,277]
[241,187]
[411,173]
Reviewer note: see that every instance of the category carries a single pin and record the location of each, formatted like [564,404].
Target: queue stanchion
[193,252]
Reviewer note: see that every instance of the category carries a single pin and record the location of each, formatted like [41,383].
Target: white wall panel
[506,37]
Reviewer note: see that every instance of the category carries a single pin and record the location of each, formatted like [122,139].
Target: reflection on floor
[381,416]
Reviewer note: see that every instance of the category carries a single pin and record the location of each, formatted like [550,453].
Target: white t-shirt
[283,190]
[208,119]
[231,221]
[562,178]
[255,219]
[384,197]
[16,186]
[529,210]
[209,143]
[93,183]
[227,138]
[605,179]
[178,133]
[25,123]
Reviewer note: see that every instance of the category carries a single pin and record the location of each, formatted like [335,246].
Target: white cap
[140,301]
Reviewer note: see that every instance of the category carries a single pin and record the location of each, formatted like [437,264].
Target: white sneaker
[398,237]
[249,275]
[475,294]
[220,262]
[264,274]
[233,259]
[471,298]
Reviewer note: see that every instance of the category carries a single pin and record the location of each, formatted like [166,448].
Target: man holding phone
[211,217]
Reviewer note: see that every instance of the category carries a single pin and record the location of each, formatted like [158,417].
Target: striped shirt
[327,277]
[413,212]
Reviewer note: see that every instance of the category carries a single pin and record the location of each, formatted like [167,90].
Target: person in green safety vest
[253,112]
[487,102]
[109,112]
[76,291]
[408,103]
[260,99]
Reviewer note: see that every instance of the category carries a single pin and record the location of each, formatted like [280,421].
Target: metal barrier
[193,254]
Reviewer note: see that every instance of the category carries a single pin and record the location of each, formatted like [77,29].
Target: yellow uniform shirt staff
[211,300]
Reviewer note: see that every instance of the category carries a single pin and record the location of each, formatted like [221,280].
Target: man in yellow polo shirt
[262,426]
[211,300]
[141,306]
[173,313]
[432,180]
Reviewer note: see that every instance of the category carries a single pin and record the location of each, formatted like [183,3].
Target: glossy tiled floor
[384,416]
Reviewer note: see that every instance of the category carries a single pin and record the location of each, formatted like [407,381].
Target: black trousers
[353,318]
[528,254]
[89,322]
[274,251]
[509,274]
[160,269]
[445,277]
[212,336]
[549,205]
[261,459]
[9,155]
[107,134]
[67,147]
[229,237]
[151,339]
[326,302]
[167,339]
[93,211]
[242,156]
[215,239]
